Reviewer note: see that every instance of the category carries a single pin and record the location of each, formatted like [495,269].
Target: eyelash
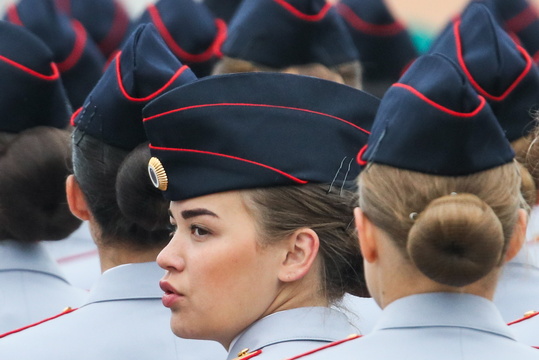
[195,228]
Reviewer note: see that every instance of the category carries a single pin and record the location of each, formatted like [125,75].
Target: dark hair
[124,203]
[282,210]
[33,205]
[454,229]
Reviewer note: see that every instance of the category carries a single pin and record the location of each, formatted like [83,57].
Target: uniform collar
[128,282]
[444,309]
[23,256]
[305,324]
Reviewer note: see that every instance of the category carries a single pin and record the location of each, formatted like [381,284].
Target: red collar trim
[152,95]
[213,50]
[54,76]
[330,345]
[480,90]
[314,18]
[78,48]
[363,26]
[257,105]
[522,20]
[117,30]
[65,312]
[434,104]
[526,317]
[291,177]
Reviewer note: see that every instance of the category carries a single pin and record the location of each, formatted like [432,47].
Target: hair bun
[456,240]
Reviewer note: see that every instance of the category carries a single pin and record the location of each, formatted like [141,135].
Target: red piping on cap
[522,20]
[256,105]
[480,90]
[65,312]
[13,15]
[443,108]
[330,345]
[152,95]
[116,32]
[74,116]
[363,26]
[291,177]
[360,154]
[317,17]
[536,57]
[213,50]
[526,317]
[78,47]
[64,5]
[54,76]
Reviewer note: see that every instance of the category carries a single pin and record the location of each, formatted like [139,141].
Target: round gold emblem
[157,173]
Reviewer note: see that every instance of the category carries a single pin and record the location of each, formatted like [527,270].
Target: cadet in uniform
[440,212]
[34,158]
[123,317]
[504,73]
[258,168]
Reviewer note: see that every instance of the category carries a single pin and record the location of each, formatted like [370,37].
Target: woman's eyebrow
[186,214]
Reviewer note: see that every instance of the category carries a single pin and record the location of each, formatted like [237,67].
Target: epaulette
[65,312]
[327,346]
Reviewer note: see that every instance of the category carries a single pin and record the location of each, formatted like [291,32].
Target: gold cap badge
[157,173]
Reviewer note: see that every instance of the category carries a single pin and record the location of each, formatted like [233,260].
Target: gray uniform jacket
[434,326]
[123,318]
[289,332]
[32,286]
[518,289]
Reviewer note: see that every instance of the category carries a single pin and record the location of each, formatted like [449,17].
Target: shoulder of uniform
[527,316]
[65,312]
[327,346]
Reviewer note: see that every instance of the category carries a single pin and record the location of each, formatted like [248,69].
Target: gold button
[529,313]
[243,352]
[351,336]
[67,309]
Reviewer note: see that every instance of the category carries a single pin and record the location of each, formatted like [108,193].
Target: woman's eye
[199,231]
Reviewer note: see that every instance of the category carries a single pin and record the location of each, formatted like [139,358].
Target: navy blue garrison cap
[106,21]
[283,33]
[79,60]
[223,9]
[520,19]
[498,68]
[432,121]
[385,46]
[144,69]
[32,92]
[253,130]
[190,30]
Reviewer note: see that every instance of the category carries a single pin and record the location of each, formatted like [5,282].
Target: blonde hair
[346,73]
[454,229]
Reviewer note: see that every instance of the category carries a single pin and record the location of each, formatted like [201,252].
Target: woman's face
[219,280]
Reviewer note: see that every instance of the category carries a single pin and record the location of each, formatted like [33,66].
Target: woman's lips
[170,296]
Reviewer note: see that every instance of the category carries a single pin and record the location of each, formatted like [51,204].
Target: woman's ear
[76,200]
[301,253]
[518,237]
[366,236]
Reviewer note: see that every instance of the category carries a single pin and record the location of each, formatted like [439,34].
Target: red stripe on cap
[536,57]
[524,318]
[256,105]
[316,17]
[293,178]
[360,154]
[64,5]
[117,30]
[181,53]
[522,20]
[330,345]
[13,15]
[480,90]
[74,116]
[152,95]
[54,76]
[78,47]
[368,28]
[443,108]
[65,312]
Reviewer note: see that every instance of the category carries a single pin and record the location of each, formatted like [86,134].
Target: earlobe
[518,237]
[301,255]
[75,199]
[365,234]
